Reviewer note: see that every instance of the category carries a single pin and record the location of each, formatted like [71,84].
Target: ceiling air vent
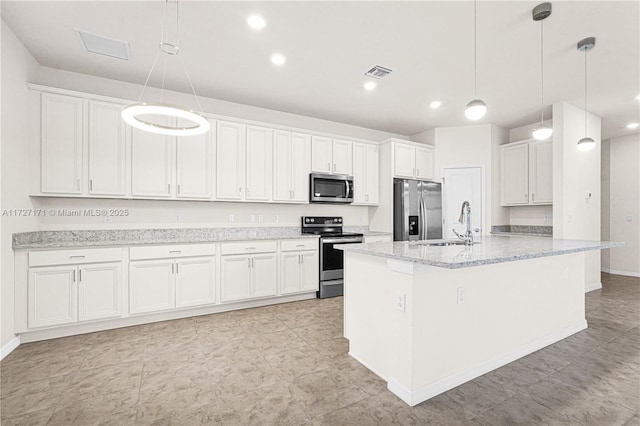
[100,45]
[378,72]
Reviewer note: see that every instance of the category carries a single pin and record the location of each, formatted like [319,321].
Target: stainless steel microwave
[330,188]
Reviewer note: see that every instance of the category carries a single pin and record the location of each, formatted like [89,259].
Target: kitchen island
[427,318]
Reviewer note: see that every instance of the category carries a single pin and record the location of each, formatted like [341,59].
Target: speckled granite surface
[531,230]
[131,237]
[491,249]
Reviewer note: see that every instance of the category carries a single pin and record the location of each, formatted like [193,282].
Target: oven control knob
[340,220]
[312,220]
[335,220]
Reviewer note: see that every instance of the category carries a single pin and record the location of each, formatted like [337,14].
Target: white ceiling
[329,46]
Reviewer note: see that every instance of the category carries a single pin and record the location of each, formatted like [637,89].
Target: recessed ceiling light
[370,85]
[256,22]
[278,58]
[633,125]
[435,104]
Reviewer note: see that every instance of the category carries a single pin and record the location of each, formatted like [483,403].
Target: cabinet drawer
[378,239]
[73,257]
[248,247]
[295,245]
[159,252]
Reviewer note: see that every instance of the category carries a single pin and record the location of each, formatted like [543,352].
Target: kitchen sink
[443,243]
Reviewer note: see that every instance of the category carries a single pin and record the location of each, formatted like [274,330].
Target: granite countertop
[527,230]
[491,249]
[133,237]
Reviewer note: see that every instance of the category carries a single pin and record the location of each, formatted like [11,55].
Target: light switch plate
[401,302]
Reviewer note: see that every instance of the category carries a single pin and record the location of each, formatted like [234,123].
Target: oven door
[332,259]
[330,188]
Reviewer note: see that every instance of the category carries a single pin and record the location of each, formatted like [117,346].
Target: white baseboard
[592,287]
[429,391]
[619,272]
[9,347]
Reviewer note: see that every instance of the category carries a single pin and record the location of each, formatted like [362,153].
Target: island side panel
[509,310]
[379,334]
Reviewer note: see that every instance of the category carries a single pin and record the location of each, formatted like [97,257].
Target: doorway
[460,184]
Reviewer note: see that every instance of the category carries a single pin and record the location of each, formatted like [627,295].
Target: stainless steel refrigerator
[417,210]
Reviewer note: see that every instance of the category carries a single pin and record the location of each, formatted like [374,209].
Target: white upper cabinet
[342,157]
[412,161]
[424,163]
[194,161]
[526,173]
[321,154]
[291,166]
[541,172]
[365,174]
[152,163]
[107,150]
[230,160]
[259,163]
[62,119]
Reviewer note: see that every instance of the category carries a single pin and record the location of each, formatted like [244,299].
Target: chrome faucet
[468,236]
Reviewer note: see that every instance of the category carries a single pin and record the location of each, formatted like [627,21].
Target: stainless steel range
[331,259]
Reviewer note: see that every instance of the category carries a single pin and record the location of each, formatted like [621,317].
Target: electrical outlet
[401,302]
[460,295]
[260,218]
[178,217]
[277,218]
[107,219]
[232,218]
[546,218]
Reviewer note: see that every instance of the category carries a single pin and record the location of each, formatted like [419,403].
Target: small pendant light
[476,109]
[586,143]
[540,13]
[133,114]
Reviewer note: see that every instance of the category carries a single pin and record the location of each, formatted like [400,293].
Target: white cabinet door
[61,144]
[321,154]
[373,173]
[264,271]
[290,272]
[259,163]
[151,286]
[194,155]
[514,176]
[235,278]
[360,184]
[230,161]
[282,166]
[53,296]
[541,177]
[151,163]
[309,272]
[300,166]
[342,157]
[195,281]
[107,148]
[403,161]
[424,164]
[99,291]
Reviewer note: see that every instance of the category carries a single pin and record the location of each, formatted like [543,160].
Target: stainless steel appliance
[331,259]
[330,188]
[417,210]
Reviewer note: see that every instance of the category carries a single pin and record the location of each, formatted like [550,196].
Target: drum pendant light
[586,143]
[138,114]
[540,13]
[476,109]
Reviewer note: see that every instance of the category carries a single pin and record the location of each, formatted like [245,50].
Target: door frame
[483,187]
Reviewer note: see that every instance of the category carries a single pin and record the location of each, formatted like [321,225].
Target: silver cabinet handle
[417,172]
[250,248]
[74,275]
[178,188]
[329,166]
[169,188]
[299,245]
[80,273]
[248,262]
[90,184]
[172,268]
[77,257]
[177,268]
[477,230]
[175,251]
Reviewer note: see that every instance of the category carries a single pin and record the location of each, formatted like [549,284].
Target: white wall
[472,146]
[574,174]
[605,161]
[623,201]
[18,66]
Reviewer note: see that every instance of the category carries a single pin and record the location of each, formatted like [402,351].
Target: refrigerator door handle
[423,220]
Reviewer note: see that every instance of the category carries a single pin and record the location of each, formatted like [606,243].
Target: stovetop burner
[326,226]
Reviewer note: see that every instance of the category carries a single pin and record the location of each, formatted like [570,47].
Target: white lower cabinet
[299,266]
[248,276]
[174,276]
[63,290]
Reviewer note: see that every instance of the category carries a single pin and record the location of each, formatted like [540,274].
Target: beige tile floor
[288,365]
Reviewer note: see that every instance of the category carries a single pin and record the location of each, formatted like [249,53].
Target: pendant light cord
[542,72]
[585,92]
[475,51]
